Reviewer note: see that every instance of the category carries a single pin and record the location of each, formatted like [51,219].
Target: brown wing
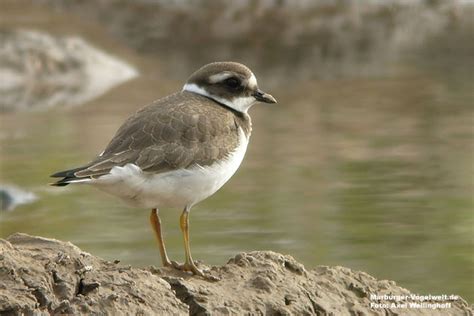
[171,133]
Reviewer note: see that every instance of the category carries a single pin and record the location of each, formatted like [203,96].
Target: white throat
[241,104]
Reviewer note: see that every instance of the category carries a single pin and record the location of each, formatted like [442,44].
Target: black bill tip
[261,96]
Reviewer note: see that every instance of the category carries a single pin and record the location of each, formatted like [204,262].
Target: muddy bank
[46,276]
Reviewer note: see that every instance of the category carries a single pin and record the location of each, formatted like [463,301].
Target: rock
[11,197]
[47,276]
[40,71]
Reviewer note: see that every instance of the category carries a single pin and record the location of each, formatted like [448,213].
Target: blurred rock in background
[41,71]
[345,38]
[11,197]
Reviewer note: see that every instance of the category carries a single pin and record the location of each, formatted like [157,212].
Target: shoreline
[43,276]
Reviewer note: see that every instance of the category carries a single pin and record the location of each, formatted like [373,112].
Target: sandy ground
[40,276]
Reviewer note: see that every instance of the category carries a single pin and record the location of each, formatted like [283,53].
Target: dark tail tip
[60,183]
[67,176]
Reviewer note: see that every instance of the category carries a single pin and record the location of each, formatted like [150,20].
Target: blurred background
[365,162]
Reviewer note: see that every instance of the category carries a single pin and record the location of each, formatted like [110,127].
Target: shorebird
[178,150]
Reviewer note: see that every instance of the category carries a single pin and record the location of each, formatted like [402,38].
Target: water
[374,173]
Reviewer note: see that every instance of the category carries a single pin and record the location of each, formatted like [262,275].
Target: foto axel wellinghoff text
[416,301]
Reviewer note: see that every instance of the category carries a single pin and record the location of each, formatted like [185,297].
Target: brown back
[179,131]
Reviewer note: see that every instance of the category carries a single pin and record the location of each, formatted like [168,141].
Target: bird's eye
[232,83]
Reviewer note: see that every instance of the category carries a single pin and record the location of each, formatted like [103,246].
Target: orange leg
[156,225]
[189,264]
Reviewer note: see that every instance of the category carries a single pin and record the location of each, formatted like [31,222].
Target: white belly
[178,188]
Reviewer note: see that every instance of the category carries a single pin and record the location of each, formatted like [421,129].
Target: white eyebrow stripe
[220,76]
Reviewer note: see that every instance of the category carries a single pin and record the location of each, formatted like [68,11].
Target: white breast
[178,188]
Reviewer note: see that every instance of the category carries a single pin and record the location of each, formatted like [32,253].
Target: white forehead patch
[241,104]
[253,82]
[220,77]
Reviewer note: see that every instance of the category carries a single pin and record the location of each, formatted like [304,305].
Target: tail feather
[68,176]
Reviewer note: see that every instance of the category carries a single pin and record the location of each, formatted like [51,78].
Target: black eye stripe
[232,82]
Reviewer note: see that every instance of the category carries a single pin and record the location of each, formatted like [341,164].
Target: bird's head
[229,83]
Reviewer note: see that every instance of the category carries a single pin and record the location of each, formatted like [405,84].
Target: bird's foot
[188,267]
[168,264]
[191,267]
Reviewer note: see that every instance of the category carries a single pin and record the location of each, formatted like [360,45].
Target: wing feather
[171,133]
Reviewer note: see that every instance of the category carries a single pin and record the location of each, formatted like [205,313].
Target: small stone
[64,308]
[84,270]
[87,287]
[263,283]
[295,267]
[155,270]
[124,269]
[41,297]
[112,297]
[289,298]
[62,258]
